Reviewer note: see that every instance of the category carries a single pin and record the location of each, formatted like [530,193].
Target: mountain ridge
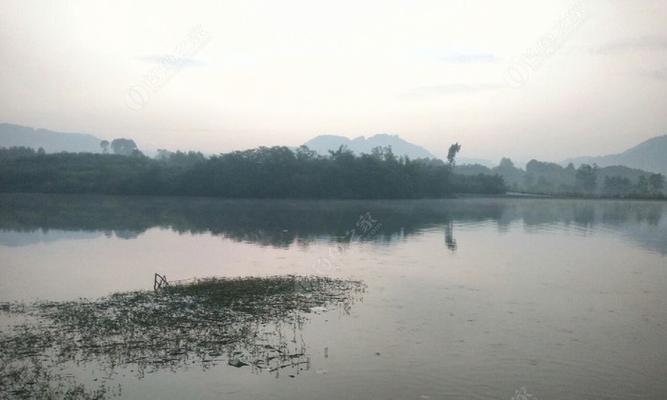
[649,155]
[12,135]
[323,143]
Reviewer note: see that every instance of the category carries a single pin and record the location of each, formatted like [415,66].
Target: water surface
[464,299]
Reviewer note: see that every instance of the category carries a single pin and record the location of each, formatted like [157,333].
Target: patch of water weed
[31,379]
[254,322]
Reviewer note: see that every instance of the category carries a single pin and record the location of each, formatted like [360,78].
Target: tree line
[585,180]
[264,172]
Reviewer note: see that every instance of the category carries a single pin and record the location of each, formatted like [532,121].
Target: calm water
[465,298]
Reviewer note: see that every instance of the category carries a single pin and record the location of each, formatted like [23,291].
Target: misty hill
[323,143]
[52,142]
[552,178]
[650,155]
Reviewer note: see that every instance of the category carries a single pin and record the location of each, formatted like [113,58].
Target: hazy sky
[534,78]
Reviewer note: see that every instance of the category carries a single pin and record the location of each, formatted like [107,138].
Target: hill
[52,142]
[650,155]
[323,143]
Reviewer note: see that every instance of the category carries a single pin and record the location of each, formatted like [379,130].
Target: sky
[525,79]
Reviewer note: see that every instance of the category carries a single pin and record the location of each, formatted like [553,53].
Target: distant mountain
[50,141]
[650,155]
[323,143]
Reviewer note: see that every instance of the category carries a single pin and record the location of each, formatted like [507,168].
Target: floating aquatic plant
[250,322]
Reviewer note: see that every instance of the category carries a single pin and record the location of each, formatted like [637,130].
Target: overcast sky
[534,78]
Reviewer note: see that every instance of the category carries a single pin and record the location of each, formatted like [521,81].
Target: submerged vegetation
[251,322]
[276,172]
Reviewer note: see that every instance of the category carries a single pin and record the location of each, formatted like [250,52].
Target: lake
[470,298]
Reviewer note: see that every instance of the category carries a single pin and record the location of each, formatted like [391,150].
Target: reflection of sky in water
[469,298]
[14,238]
[70,246]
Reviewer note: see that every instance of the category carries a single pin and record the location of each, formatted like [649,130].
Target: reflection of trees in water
[588,213]
[253,322]
[449,236]
[282,223]
[638,221]
[266,222]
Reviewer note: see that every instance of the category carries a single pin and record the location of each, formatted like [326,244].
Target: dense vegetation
[586,180]
[275,172]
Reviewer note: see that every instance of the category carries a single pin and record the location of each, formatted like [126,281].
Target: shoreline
[453,196]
